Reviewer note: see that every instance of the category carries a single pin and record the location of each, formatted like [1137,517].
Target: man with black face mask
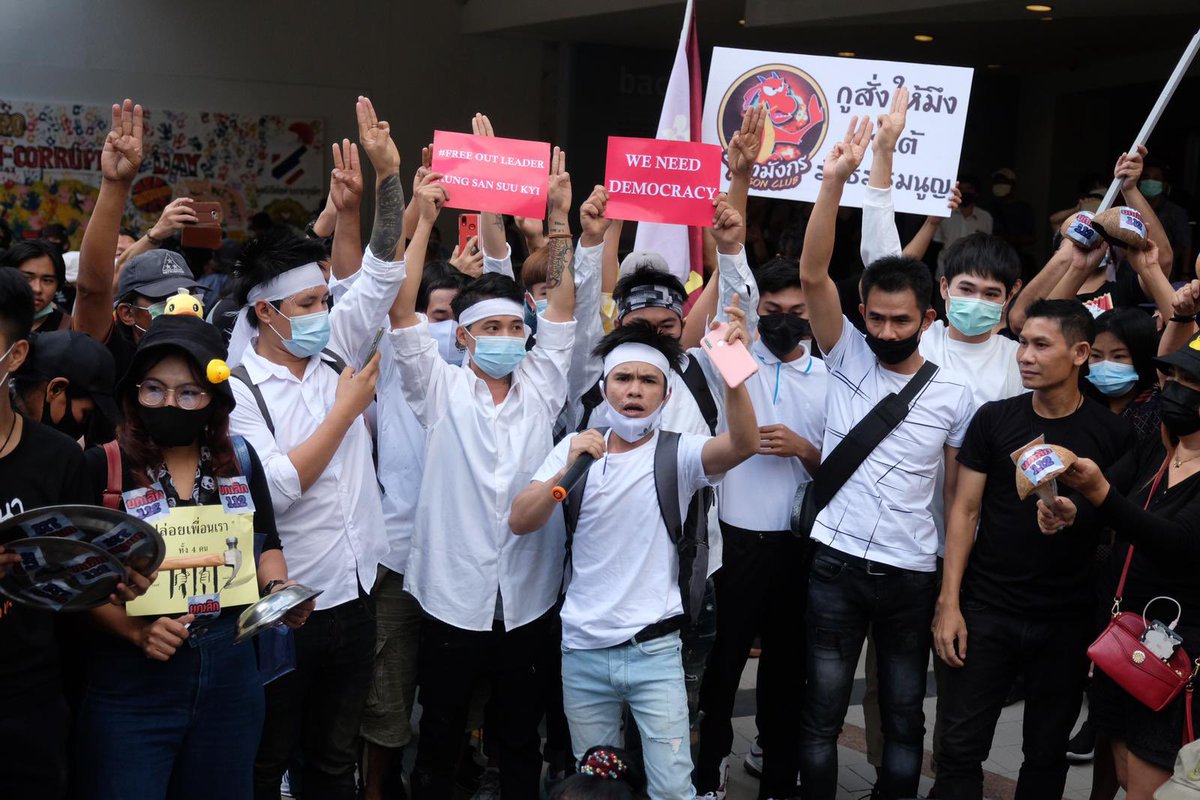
[876,544]
[757,588]
[68,378]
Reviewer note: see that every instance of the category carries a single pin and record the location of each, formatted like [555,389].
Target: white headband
[286,284]
[295,280]
[636,351]
[492,307]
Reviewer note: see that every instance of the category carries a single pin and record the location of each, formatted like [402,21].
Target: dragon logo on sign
[797,112]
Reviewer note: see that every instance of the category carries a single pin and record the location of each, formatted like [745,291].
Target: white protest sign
[811,101]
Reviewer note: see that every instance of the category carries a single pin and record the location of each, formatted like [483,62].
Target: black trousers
[450,662]
[33,753]
[761,591]
[320,704]
[1051,655]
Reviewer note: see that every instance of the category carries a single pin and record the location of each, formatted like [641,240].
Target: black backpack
[690,536]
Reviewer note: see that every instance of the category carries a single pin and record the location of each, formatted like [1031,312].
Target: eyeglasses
[189,396]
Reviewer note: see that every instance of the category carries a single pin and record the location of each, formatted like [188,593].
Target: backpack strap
[242,375]
[591,398]
[333,360]
[690,538]
[571,507]
[112,489]
[241,454]
[697,384]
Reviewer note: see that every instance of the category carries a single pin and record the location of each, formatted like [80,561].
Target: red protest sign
[657,180]
[486,173]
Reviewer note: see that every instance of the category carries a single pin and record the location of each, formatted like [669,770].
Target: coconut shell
[1078,228]
[1039,464]
[1121,226]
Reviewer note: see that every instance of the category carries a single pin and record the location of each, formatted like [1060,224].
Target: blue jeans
[184,728]
[844,598]
[649,677]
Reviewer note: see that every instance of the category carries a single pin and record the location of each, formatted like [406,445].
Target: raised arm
[1129,168]
[584,370]
[735,279]
[177,214]
[428,202]
[491,226]
[1181,322]
[723,453]
[411,216]
[533,231]
[742,154]
[879,235]
[824,308]
[1043,283]
[1154,283]
[560,281]
[375,136]
[1084,264]
[918,246]
[119,164]
[345,193]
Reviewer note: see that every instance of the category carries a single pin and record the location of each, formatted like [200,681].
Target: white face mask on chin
[633,429]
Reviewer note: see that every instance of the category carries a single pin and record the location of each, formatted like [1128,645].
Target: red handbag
[1120,653]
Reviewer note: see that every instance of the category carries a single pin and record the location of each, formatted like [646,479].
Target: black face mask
[893,352]
[781,332]
[1179,406]
[968,199]
[68,424]
[170,426]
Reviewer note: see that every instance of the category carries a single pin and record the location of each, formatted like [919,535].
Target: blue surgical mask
[531,315]
[443,333]
[1111,378]
[498,355]
[1150,188]
[310,333]
[46,311]
[972,316]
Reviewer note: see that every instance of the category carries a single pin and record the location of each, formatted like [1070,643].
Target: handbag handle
[1116,606]
[1179,610]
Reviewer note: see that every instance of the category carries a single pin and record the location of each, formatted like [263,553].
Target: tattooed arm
[560,281]
[375,136]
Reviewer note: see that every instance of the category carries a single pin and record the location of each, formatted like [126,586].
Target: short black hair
[485,287]
[29,249]
[439,275]
[16,306]
[646,276]
[1073,318]
[132,233]
[641,332]
[984,256]
[1135,329]
[778,274]
[898,274]
[269,256]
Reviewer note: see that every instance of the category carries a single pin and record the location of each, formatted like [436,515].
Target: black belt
[659,629]
[761,536]
[863,564]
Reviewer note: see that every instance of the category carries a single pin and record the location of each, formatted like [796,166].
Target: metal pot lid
[60,574]
[270,610]
[136,544]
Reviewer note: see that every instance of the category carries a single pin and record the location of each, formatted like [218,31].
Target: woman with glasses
[172,707]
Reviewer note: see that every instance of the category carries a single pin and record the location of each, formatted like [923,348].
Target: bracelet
[153,241]
[270,587]
[559,236]
[1183,319]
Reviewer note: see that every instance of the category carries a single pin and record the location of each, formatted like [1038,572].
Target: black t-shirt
[1165,537]
[1013,566]
[120,343]
[1124,292]
[45,469]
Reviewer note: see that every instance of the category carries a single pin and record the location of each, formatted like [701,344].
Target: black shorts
[1152,736]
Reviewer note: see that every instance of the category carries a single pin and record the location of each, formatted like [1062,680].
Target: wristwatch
[270,587]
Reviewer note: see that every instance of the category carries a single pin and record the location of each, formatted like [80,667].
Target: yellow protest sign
[208,552]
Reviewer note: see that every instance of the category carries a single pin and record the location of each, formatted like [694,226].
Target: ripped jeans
[648,677]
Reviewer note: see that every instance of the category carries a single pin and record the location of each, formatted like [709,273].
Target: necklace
[11,428]
[1177,463]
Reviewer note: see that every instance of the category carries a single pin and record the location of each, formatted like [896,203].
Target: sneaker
[753,761]
[285,785]
[1082,747]
[489,785]
[719,792]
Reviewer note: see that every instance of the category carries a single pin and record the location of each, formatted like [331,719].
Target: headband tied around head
[651,296]
[283,285]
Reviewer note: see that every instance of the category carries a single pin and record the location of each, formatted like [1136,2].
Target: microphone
[577,471]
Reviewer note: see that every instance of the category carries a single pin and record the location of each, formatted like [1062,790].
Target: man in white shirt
[756,586]
[305,421]
[485,593]
[624,606]
[968,218]
[876,542]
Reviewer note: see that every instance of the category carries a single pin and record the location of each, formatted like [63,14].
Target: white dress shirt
[333,532]
[479,455]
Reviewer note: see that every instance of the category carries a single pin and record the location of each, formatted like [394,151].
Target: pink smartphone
[733,361]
